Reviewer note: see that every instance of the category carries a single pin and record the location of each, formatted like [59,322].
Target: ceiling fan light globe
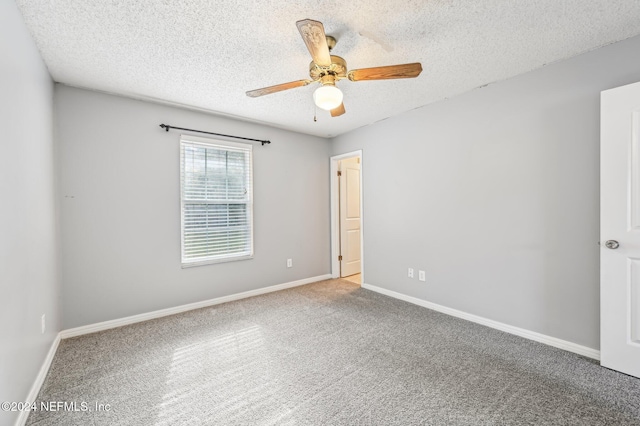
[327,97]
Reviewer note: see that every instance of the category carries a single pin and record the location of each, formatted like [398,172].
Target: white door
[350,216]
[620,229]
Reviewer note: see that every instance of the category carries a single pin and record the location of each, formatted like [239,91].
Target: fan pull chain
[315,113]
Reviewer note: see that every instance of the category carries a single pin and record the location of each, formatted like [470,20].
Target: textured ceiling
[206,55]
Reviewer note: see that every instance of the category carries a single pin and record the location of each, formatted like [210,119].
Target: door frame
[335,214]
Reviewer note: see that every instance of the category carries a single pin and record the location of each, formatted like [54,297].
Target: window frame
[223,145]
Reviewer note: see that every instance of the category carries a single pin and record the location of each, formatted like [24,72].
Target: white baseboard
[527,334]
[106,325]
[37,384]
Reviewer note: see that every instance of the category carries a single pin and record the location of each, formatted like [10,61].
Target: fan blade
[386,73]
[312,33]
[338,111]
[277,88]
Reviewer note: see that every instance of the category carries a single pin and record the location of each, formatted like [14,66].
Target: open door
[620,229]
[349,183]
[347,235]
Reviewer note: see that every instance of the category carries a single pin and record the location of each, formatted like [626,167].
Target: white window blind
[217,200]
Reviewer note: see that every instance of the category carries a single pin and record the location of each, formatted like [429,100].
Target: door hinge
[339,173]
[340,258]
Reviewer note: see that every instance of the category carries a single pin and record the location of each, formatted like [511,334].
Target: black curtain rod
[167,127]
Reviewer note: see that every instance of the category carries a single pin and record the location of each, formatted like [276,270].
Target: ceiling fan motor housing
[338,69]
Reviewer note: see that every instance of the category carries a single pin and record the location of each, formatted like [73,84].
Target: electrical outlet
[410,273]
[43,323]
[289,263]
[422,276]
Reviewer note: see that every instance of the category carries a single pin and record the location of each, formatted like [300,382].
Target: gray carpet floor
[328,353]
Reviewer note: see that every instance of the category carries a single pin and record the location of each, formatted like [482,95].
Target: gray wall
[119,183]
[495,193]
[29,285]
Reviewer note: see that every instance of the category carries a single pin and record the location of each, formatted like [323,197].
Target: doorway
[347,249]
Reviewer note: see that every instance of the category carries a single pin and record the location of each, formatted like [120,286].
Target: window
[216,200]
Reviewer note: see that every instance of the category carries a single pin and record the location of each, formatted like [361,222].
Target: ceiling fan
[327,69]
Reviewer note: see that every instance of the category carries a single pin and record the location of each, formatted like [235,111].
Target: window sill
[214,261]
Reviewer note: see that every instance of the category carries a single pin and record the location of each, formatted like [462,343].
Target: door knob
[612,244]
